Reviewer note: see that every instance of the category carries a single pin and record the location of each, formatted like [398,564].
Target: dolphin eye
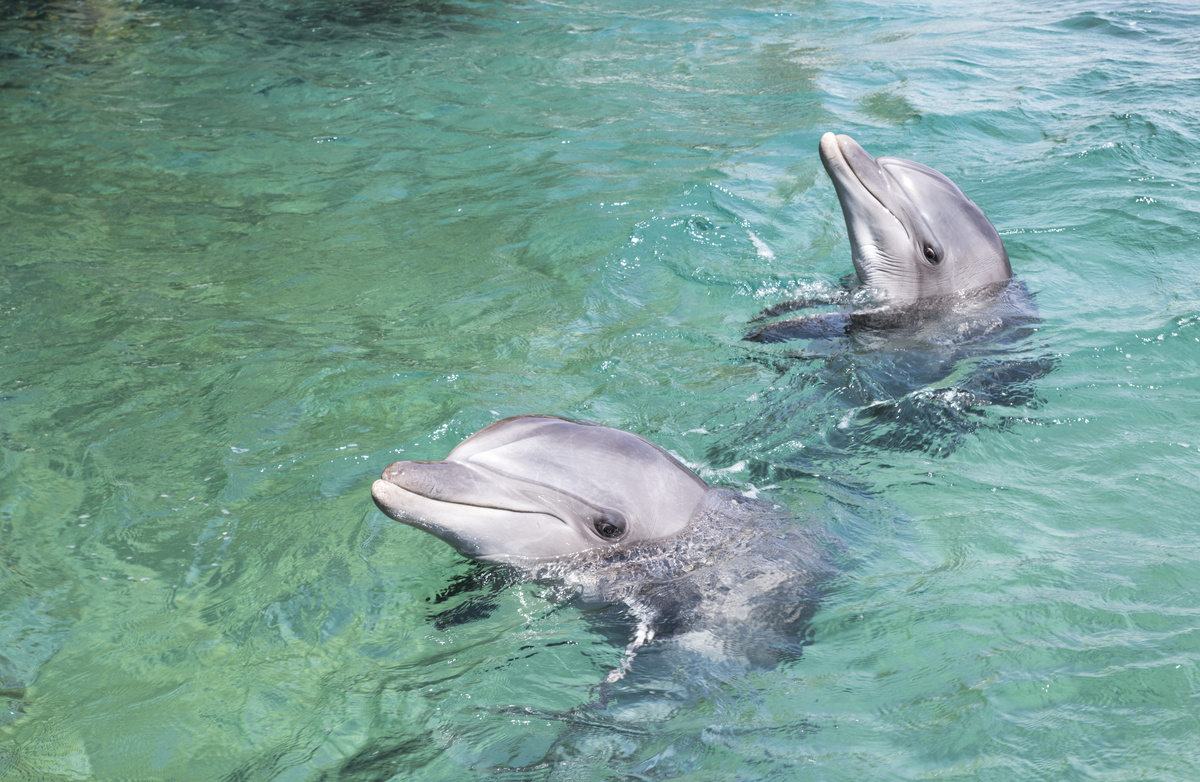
[610,526]
[931,255]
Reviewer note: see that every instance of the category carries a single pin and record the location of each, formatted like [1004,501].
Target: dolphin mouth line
[547,511]
[462,504]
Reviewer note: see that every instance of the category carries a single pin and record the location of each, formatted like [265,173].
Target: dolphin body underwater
[620,520]
[932,266]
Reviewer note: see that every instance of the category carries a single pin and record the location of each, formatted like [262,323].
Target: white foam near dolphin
[609,512]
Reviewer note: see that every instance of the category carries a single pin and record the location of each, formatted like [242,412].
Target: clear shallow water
[255,252]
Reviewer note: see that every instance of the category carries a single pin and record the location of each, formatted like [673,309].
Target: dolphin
[935,326]
[914,235]
[924,251]
[615,516]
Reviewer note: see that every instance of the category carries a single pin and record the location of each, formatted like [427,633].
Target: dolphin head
[535,488]
[914,234]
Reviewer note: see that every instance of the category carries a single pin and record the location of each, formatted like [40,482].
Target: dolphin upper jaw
[466,483]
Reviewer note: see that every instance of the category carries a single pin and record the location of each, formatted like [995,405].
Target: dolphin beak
[416,492]
[848,164]
[444,481]
[494,520]
[407,495]
[832,158]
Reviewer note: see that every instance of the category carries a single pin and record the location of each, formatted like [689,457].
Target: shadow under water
[912,378]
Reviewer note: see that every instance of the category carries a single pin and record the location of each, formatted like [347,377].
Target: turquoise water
[254,252]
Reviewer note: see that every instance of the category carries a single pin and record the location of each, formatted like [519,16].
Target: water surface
[253,252]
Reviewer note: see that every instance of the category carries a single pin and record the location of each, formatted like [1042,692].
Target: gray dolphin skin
[621,520]
[913,233]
